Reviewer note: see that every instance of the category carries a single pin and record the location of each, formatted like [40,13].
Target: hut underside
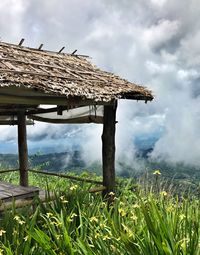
[74,90]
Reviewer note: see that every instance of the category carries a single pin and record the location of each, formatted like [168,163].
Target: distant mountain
[52,162]
[8,161]
[73,161]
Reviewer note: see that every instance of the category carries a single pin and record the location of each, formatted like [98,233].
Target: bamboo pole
[23,150]
[75,178]
[8,171]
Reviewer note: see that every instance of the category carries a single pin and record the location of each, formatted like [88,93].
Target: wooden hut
[69,84]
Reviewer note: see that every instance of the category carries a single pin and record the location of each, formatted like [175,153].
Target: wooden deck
[9,191]
[22,196]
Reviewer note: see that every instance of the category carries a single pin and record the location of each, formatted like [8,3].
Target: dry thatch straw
[59,74]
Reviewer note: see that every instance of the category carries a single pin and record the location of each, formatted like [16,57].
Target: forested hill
[73,161]
[52,162]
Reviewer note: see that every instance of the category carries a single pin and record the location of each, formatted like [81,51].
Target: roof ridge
[36,50]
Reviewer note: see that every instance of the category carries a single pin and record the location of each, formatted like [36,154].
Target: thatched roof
[59,74]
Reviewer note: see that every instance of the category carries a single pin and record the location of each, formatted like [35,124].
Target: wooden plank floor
[9,191]
[22,202]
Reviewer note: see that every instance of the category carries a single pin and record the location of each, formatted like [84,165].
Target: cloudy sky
[150,42]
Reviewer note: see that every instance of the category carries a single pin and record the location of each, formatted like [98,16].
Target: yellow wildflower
[74,187]
[58,237]
[2,232]
[182,216]
[157,172]
[17,218]
[184,243]
[21,222]
[111,193]
[122,212]
[106,237]
[49,214]
[169,208]
[53,223]
[133,217]
[163,193]
[58,223]
[102,225]
[128,230]
[25,238]
[62,198]
[93,219]
[103,204]
[96,235]
[73,215]
[14,232]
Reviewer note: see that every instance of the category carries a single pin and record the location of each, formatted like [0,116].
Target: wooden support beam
[50,100]
[108,148]
[22,148]
[79,120]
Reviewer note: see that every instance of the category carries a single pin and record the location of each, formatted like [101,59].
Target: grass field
[144,219]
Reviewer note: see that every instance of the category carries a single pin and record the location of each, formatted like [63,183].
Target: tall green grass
[140,221]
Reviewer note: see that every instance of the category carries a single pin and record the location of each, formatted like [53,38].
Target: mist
[153,43]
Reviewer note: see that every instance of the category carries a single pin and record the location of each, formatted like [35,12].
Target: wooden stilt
[108,148]
[22,148]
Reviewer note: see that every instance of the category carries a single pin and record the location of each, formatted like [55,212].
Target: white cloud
[181,140]
[160,33]
[11,19]
[159,3]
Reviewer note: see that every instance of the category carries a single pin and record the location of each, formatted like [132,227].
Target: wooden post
[108,148]
[22,148]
